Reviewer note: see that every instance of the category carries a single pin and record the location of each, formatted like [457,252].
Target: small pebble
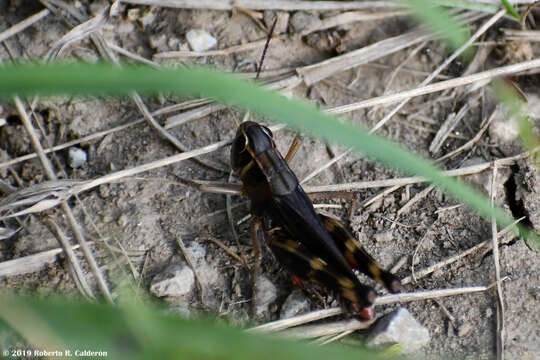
[76,157]
[266,293]
[6,233]
[399,327]
[383,236]
[301,20]
[464,329]
[175,280]
[282,20]
[503,128]
[200,40]
[295,304]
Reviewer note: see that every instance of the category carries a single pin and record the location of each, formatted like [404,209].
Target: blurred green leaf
[440,21]
[511,9]
[139,332]
[469,5]
[517,109]
[109,79]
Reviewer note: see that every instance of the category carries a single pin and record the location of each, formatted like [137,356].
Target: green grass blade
[440,22]
[140,332]
[468,5]
[511,9]
[107,79]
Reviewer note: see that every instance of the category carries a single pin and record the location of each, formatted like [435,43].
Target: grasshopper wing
[306,265]
[357,257]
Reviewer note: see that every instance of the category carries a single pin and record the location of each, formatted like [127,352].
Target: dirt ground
[147,215]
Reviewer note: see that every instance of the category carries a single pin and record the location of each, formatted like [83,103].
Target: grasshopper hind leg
[357,257]
[303,264]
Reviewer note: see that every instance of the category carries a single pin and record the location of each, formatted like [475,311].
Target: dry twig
[480,77]
[495,248]
[440,68]
[191,263]
[382,300]
[78,278]
[31,20]
[286,5]
[65,207]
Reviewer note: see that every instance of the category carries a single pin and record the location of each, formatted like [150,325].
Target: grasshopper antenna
[270,33]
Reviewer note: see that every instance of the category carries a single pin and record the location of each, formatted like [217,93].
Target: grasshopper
[312,247]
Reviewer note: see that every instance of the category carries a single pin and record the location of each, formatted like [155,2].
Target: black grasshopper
[312,247]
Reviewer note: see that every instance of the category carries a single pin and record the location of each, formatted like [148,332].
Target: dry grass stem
[221,52]
[191,263]
[335,338]
[404,69]
[399,264]
[65,207]
[168,136]
[448,208]
[79,278]
[322,70]
[74,188]
[469,170]
[349,17]
[469,144]
[328,329]
[90,28]
[447,62]
[227,250]
[522,35]
[317,72]
[30,263]
[296,320]
[393,74]
[440,86]
[78,32]
[416,198]
[70,143]
[430,269]
[379,196]
[496,261]
[382,300]
[285,5]
[131,55]
[230,218]
[29,21]
[176,107]
[448,126]
[286,84]
[427,294]
[325,166]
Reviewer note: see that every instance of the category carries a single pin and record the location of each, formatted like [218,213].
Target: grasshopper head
[251,139]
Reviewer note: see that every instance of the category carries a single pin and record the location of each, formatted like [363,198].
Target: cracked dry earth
[146,216]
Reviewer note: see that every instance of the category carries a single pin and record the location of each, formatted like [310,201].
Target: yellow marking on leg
[349,294]
[329,224]
[245,169]
[292,244]
[350,259]
[317,263]
[346,283]
[351,245]
[376,272]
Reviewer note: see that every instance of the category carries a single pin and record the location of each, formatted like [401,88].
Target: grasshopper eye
[267,131]
[240,143]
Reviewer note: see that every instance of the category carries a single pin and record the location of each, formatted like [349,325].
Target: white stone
[385,236]
[266,293]
[295,304]
[200,40]
[76,157]
[399,327]
[175,280]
